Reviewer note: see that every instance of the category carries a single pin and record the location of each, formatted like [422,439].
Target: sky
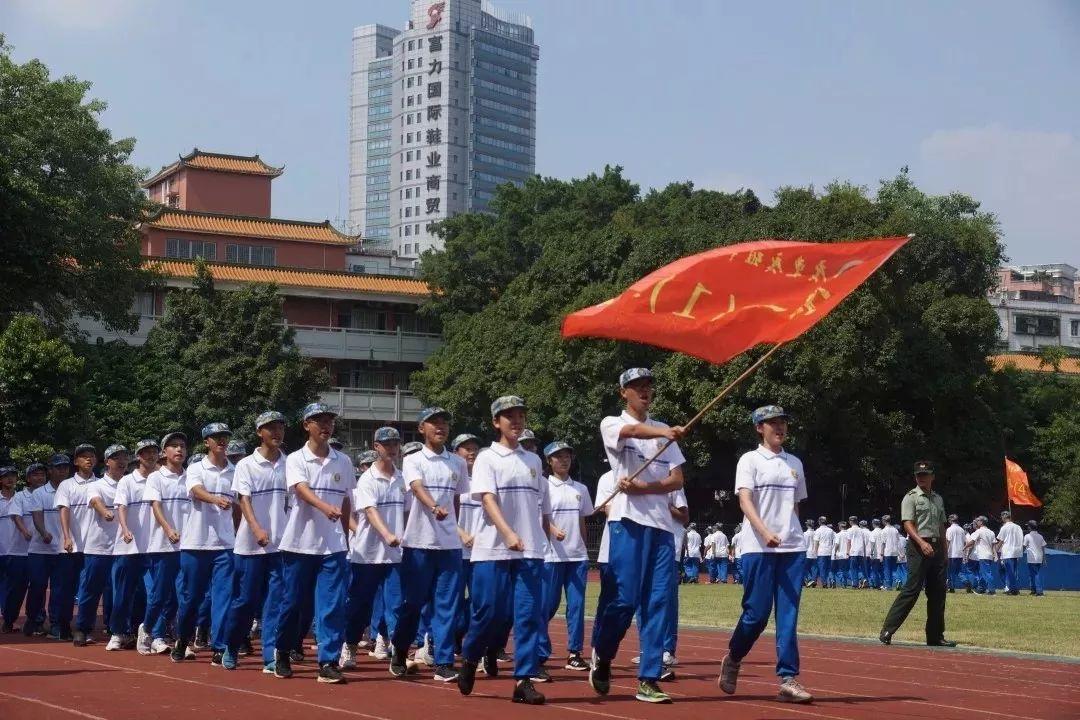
[972,96]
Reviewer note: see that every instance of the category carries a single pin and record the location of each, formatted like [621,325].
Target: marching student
[824,539]
[470,517]
[95,582]
[566,562]
[236,451]
[642,543]
[508,553]
[770,483]
[75,518]
[166,491]
[901,562]
[131,567]
[1010,545]
[983,540]
[431,559]
[720,541]
[19,515]
[890,547]
[206,545]
[692,561]
[8,534]
[811,554]
[710,554]
[857,542]
[876,564]
[1035,550]
[605,486]
[258,482]
[377,523]
[314,546]
[955,539]
[678,514]
[44,566]
[736,553]
[841,561]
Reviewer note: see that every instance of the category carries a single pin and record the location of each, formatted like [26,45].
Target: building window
[408,174]
[411,44]
[189,249]
[255,254]
[1074,326]
[408,212]
[408,192]
[1040,325]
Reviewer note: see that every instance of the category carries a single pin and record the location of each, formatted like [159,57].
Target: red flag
[1016,480]
[719,303]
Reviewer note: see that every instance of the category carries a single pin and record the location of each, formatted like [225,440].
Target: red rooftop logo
[435,15]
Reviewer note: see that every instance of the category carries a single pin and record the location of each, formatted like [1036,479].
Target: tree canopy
[897,373]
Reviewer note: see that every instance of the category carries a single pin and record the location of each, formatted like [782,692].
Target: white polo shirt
[72,494]
[470,517]
[44,500]
[169,489]
[19,506]
[444,475]
[208,527]
[808,541]
[101,533]
[737,542]
[720,544]
[693,544]
[901,549]
[139,515]
[7,527]
[857,542]
[707,541]
[332,479]
[875,543]
[387,495]
[955,537]
[984,543]
[890,541]
[1012,539]
[625,456]
[778,484]
[1035,547]
[604,487]
[263,482]
[569,502]
[676,528]
[516,479]
[841,552]
[825,537]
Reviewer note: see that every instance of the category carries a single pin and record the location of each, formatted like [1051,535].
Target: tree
[897,373]
[69,202]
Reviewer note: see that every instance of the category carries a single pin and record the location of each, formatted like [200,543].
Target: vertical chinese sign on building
[433,135]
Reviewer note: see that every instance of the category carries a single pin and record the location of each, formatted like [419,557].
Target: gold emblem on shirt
[337,477]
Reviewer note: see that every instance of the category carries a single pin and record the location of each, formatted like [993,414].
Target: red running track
[47,680]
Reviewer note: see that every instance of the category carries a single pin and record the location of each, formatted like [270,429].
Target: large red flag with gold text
[1016,481]
[719,303]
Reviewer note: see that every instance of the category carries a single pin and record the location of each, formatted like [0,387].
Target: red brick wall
[316,256]
[310,311]
[219,192]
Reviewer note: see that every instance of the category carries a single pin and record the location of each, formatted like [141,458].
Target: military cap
[462,439]
[629,376]
[114,449]
[554,447]
[768,412]
[315,409]
[506,402]
[387,434]
[924,467]
[215,428]
[432,412]
[270,416]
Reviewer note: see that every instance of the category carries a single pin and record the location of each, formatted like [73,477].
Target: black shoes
[490,663]
[179,651]
[216,658]
[445,673]
[600,676]
[941,642]
[466,677]
[667,674]
[296,656]
[282,665]
[576,662]
[541,675]
[885,637]
[526,694]
[331,674]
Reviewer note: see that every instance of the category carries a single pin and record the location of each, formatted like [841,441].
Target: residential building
[1037,306]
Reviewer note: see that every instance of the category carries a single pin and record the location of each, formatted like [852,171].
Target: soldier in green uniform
[923,515]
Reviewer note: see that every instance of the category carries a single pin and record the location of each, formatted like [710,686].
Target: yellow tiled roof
[220,162]
[1033,363]
[248,226]
[287,277]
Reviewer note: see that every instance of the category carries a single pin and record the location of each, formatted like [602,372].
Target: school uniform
[824,539]
[47,569]
[566,563]
[132,578]
[773,575]
[7,530]
[736,555]
[95,581]
[676,498]
[73,494]
[876,566]
[17,574]
[162,597]
[811,556]
[431,556]
[857,561]
[470,517]
[901,561]
[890,543]
[508,585]
[605,486]
[1012,547]
[314,552]
[720,547]
[955,538]
[692,561]
[258,570]
[1035,550]
[841,562]
[374,565]
[642,547]
[984,554]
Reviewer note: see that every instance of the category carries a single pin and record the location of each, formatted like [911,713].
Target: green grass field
[1048,625]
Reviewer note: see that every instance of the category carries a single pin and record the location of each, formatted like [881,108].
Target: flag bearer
[314,545]
[566,563]
[95,582]
[259,485]
[770,483]
[1035,549]
[642,545]
[132,579]
[508,553]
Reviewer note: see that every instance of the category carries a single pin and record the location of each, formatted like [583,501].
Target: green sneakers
[648,691]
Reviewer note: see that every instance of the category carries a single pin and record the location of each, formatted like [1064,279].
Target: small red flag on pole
[1018,486]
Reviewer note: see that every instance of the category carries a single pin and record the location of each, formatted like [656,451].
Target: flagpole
[697,418]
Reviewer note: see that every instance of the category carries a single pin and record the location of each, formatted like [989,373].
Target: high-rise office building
[441,114]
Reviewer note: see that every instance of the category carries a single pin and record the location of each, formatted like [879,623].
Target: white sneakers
[348,657]
[791,691]
[115,643]
[142,643]
[423,656]
[159,646]
[670,660]
[381,652]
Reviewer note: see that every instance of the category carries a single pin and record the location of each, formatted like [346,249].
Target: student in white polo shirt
[19,517]
[75,518]
[736,553]
[982,541]
[131,575]
[314,545]
[811,554]
[692,561]
[857,552]
[890,548]
[96,581]
[431,559]
[1010,545]
[566,562]
[770,483]
[642,542]
[721,546]
[841,561]
[1035,550]
[259,487]
[8,497]
[166,491]
[508,553]
[470,517]
[45,563]
[206,545]
[605,486]
[824,539]
[377,524]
